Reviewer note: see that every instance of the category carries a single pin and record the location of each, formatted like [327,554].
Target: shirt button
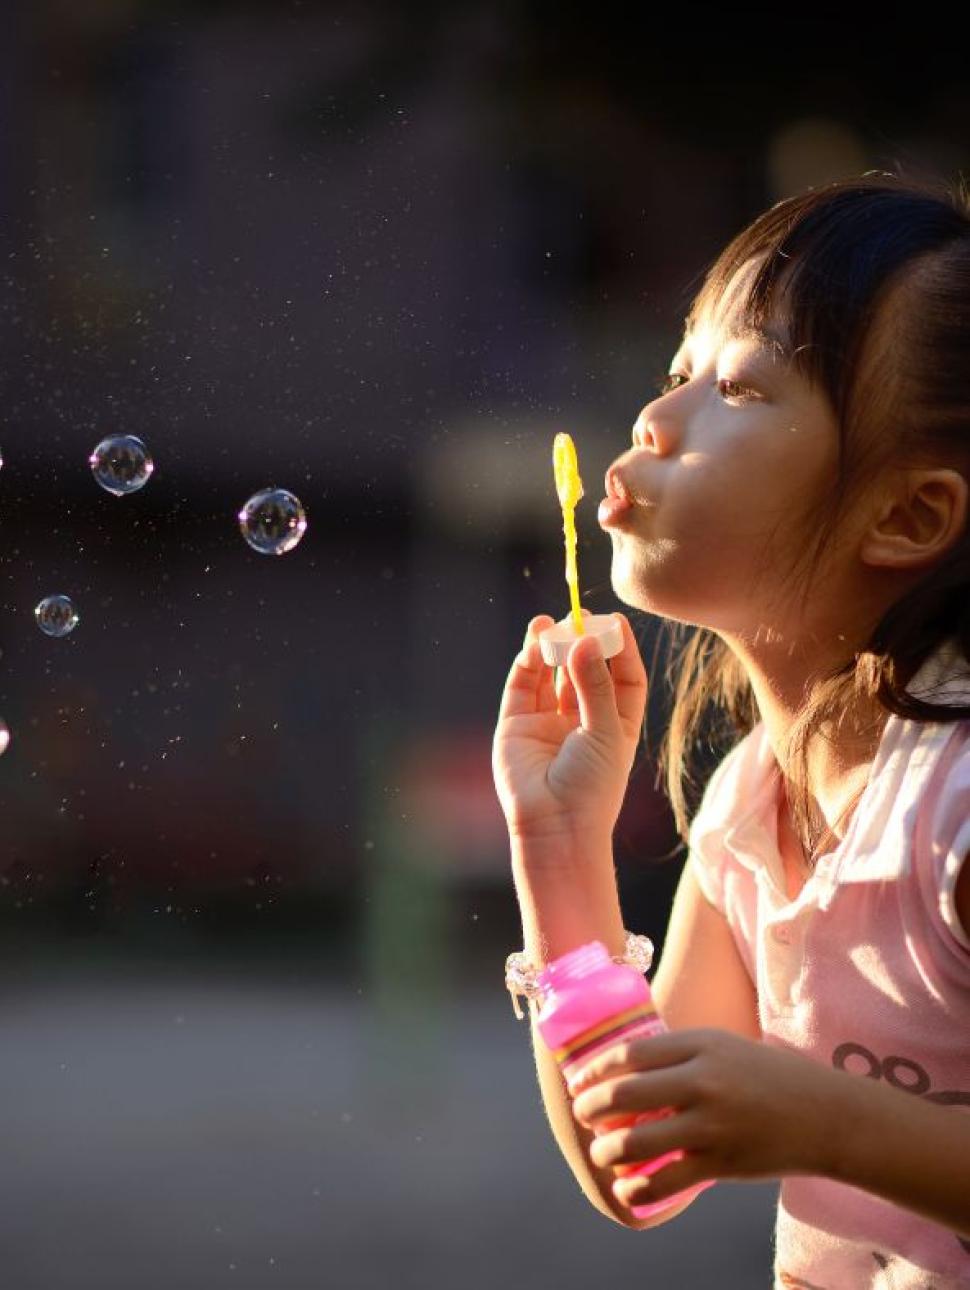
[782,935]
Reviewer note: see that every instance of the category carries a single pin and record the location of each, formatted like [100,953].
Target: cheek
[695,563]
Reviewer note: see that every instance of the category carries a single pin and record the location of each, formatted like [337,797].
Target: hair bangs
[825,259]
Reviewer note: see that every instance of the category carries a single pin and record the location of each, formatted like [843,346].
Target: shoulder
[941,840]
[944,793]
[947,812]
[961,898]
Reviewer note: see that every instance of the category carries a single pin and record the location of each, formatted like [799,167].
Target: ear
[917,520]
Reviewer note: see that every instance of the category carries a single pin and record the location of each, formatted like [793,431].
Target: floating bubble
[4,736]
[272,521]
[121,464]
[56,615]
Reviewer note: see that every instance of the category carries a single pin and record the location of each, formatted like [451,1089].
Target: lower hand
[741,1109]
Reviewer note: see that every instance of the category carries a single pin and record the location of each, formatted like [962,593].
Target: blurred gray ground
[213,1131]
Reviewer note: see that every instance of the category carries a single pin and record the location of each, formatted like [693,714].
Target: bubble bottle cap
[555,642]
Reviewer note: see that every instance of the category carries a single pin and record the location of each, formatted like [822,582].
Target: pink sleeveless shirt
[867,970]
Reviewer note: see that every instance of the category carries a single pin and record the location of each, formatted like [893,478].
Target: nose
[654,430]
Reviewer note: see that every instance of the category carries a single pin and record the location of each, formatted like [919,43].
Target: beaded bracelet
[522,977]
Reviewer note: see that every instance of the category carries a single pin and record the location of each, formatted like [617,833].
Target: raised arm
[561,759]
[561,762]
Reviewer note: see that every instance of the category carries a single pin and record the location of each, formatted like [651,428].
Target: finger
[546,697]
[530,679]
[623,1149]
[594,686]
[565,692]
[681,1174]
[546,700]
[538,625]
[654,1091]
[629,679]
[670,1048]
[524,683]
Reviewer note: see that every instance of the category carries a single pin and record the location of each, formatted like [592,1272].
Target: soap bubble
[272,521]
[4,736]
[56,615]
[121,464]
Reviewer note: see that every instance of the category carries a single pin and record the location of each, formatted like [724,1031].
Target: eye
[733,390]
[670,381]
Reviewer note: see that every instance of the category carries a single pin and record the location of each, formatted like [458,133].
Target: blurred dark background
[254,890]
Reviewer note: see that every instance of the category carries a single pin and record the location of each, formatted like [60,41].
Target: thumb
[593,684]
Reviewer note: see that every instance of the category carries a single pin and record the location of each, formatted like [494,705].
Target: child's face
[724,468]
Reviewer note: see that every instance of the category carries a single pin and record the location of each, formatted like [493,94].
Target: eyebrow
[768,337]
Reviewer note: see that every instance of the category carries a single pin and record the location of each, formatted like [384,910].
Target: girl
[798,491]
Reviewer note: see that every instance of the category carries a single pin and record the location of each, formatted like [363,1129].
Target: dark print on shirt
[902,1073]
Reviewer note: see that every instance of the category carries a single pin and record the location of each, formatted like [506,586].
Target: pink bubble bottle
[590,1003]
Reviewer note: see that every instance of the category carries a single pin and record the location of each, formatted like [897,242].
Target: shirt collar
[903,762]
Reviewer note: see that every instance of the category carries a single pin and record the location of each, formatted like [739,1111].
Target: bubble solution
[272,521]
[121,464]
[56,615]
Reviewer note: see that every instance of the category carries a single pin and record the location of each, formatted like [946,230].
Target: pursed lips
[616,489]
[617,501]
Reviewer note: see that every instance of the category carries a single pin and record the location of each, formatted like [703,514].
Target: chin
[645,580]
[637,575]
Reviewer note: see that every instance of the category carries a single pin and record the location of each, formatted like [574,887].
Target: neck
[839,754]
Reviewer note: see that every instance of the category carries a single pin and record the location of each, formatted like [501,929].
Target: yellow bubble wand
[555,641]
[569,486]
